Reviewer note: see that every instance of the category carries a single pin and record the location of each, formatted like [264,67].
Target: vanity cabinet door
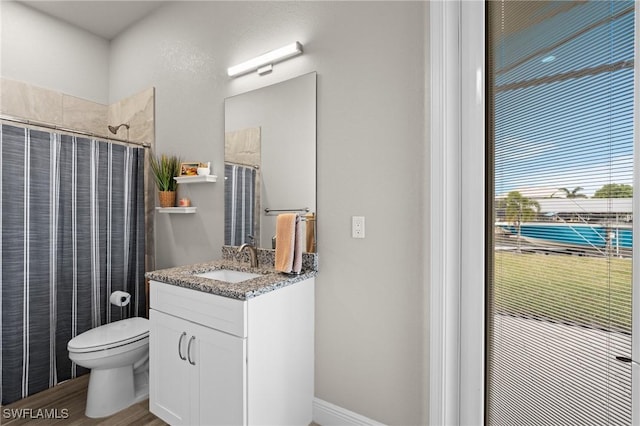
[220,360]
[170,390]
[197,374]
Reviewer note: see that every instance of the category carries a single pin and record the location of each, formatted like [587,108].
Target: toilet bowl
[117,354]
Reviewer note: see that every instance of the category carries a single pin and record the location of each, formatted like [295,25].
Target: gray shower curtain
[240,203]
[72,213]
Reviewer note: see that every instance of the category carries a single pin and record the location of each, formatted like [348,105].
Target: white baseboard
[327,414]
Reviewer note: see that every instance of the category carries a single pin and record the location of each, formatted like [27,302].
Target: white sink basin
[228,275]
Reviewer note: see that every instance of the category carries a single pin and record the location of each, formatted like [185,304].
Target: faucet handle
[251,239]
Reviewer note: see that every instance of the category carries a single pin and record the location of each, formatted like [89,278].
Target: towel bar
[268,210]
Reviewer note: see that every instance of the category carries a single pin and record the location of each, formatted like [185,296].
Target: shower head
[114,129]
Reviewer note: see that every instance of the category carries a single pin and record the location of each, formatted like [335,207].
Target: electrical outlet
[357,226]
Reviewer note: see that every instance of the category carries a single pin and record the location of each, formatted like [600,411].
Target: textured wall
[370,59]
[371,64]
[48,53]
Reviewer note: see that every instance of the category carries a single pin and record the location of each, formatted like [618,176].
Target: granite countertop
[269,279]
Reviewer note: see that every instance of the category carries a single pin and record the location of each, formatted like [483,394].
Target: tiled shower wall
[22,100]
[138,111]
[36,104]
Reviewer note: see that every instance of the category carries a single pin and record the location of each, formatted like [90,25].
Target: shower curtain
[239,202]
[72,213]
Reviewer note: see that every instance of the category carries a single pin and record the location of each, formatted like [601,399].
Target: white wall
[370,59]
[371,342]
[46,52]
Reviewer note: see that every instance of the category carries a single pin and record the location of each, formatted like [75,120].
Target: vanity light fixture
[264,63]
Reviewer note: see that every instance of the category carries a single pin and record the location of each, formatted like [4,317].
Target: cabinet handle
[180,346]
[192,362]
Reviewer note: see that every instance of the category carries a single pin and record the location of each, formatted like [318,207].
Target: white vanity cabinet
[221,361]
[191,364]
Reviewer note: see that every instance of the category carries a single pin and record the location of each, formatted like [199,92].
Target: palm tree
[520,209]
[574,193]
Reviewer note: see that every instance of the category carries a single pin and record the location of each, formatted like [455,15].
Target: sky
[566,131]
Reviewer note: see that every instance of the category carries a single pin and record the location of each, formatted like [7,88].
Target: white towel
[298,247]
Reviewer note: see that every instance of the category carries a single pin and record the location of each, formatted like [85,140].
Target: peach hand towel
[285,241]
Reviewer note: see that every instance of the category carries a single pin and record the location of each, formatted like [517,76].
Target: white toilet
[118,356]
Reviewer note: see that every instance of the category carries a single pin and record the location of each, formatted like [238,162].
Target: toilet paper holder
[121,299]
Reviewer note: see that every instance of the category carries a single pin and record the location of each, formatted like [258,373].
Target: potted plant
[165,168]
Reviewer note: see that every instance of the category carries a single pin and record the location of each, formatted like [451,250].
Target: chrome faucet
[253,253]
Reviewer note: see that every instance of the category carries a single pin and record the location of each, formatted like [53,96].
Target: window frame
[457,214]
[457,180]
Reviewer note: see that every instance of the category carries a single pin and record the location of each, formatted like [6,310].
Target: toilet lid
[110,335]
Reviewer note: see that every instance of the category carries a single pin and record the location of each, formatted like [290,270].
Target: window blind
[560,136]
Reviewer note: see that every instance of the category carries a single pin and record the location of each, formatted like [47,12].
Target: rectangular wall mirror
[270,161]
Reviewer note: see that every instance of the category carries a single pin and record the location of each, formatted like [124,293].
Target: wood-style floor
[67,402]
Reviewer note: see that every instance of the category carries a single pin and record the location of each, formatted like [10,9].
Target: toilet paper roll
[120,298]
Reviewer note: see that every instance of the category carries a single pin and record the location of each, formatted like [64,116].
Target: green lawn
[588,291]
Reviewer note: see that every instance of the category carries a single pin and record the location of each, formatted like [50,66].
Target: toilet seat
[117,333]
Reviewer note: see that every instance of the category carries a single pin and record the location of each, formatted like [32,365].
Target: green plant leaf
[165,168]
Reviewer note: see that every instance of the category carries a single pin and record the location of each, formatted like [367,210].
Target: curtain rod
[67,130]
[251,166]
